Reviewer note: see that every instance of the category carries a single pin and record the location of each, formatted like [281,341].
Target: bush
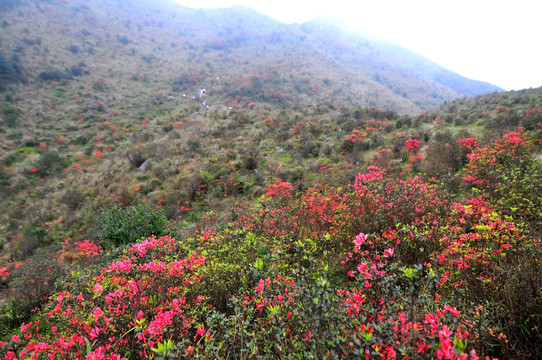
[123,40]
[73,198]
[49,163]
[74,49]
[30,287]
[121,226]
[51,75]
[10,113]
[6,69]
[90,314]
[74,70]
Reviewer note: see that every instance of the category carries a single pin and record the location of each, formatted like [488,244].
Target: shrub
[74,49]
[74,70]
[136,307]
[73,198]
[443,159]
[31,284]
[49,163]
[51,74]
[121,226]
[123,40]
[6,69]
[510,176]
[10,114]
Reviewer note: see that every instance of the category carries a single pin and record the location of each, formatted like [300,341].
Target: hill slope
[385,232]
[237,53]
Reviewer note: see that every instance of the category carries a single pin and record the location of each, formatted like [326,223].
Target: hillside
[137,224]
[237,54]
[322,231]
[498,112]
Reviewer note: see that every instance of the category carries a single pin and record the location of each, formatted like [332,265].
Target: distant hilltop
[239,54]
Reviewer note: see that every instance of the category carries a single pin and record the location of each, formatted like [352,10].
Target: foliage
[6,69]
[51,74]
[121,226]
[10,114]
[30,285]
[508,174]
[135,306]
[49,163]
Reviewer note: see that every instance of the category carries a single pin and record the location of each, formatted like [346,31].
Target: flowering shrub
[470,143]
[284,317]
[80,251]
[132,309]
[532,112]
[279,188]
[508,174]
[412,144]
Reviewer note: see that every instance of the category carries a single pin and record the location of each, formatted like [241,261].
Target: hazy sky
[490,40]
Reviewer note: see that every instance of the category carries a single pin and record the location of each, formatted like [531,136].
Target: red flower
[412,144]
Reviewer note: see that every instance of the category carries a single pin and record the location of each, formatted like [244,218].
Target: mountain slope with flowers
[137,50]
[410,238]
[138,224]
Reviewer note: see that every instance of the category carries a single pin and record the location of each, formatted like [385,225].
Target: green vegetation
[121,226]
[10,114]
[49,162]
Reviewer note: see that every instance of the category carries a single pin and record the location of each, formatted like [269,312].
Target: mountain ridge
[308,64]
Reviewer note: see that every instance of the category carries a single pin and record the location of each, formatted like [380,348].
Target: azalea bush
[132,308]
[510,176]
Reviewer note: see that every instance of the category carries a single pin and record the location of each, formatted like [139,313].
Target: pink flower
[362,267]
[4,271]
[97,288]
[455,312]
[388,252]
[259,288]
[95,332]
[360,239]
[446,346]
[97,313]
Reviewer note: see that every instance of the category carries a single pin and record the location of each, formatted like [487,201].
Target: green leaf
[87,343]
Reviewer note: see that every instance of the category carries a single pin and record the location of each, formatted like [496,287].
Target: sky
[494,41]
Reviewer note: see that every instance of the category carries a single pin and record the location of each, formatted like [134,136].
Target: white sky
[497,41]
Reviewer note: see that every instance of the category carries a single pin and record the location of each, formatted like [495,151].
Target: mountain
[285,220]
[236,53]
